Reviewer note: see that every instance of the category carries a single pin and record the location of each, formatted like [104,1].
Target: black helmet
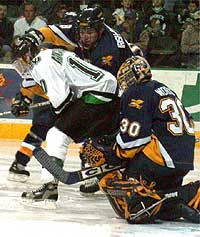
[69,18]
[91,17]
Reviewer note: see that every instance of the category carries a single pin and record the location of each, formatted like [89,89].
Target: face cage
[126,80]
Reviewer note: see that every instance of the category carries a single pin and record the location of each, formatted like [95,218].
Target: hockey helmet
[135,70]
[27,44]
[69,18]
[91,18]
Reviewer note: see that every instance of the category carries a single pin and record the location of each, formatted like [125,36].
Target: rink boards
[186,83]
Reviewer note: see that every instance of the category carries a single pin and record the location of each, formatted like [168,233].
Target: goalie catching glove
[20,105]
[92,153]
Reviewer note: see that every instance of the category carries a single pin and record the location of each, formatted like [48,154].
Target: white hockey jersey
[59,72]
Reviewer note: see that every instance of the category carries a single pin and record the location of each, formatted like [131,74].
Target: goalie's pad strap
[195,202]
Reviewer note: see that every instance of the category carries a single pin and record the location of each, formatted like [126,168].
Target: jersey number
[132,129]
[180,122]
[94,74]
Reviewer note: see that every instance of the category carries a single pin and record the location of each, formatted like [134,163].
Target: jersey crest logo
[107,60]
[136,103]
[2,79]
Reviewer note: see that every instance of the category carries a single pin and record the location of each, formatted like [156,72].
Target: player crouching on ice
[155,144]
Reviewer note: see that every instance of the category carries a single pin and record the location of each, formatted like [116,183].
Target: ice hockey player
[155,145]
[43,118]
[103,47]
[85,99]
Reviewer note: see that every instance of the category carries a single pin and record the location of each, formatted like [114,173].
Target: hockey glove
[92,153]
[20,105]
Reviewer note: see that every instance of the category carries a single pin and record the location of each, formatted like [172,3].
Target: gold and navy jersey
[110,52]
[60,35]
[154,121]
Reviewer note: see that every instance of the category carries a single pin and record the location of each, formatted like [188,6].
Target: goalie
[155,144]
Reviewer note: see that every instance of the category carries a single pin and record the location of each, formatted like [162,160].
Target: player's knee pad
[57,143]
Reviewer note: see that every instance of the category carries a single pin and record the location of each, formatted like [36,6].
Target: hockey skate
[18,173]
[90,186]
[43,197]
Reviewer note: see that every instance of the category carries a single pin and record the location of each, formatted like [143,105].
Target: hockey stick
[70,177]
[31,107]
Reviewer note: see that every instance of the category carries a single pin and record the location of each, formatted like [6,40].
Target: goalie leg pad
[190,194]
[132,200]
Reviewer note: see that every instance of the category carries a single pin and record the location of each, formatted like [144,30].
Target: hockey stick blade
[70,177]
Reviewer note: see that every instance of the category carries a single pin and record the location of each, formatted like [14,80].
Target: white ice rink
[76,215]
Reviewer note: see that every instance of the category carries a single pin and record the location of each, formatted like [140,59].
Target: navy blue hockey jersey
[111,51]
[154,121]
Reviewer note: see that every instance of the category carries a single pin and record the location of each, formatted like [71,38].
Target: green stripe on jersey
[91,99]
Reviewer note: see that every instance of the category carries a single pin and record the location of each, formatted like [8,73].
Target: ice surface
[76,215]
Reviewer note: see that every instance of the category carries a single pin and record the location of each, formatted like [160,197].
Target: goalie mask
[135,70]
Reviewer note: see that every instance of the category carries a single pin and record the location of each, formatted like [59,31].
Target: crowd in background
[168,31]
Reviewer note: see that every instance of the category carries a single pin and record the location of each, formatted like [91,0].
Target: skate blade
[17,177]
[45,204]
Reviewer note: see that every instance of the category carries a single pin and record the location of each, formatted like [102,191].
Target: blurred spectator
[127,19]
[128,27]
[45,8]
[159,49]
[29,20]
[6,32]
[190,42]
[6,27]
[58,14]
[5,55]
[178,9]
[186,15]
[161,16]
[183,11]
[143,5]
[126,9]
